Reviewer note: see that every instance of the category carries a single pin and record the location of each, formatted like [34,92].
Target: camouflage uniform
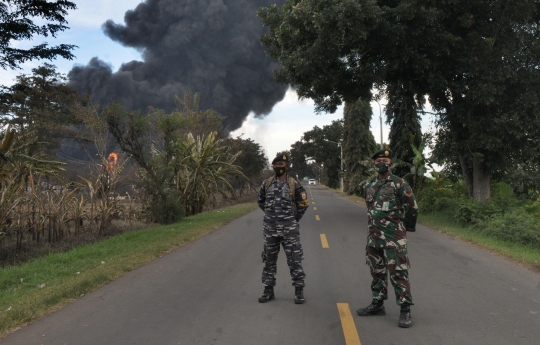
[392,211]
[281,227]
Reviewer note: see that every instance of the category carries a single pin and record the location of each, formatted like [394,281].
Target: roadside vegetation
[73,173]
[32,289]
[505,225]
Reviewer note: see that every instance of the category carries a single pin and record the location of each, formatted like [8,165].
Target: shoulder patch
[408,191]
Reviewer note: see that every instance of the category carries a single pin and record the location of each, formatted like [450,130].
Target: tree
[181,174]
[17,24]
[358,144]
[476,60]
[320,144]
[251,160]
[40,102]
[402,115]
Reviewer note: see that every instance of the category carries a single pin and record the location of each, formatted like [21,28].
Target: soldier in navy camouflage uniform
[284,202]
[392,211]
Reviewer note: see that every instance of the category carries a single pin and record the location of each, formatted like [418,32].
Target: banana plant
[419,166]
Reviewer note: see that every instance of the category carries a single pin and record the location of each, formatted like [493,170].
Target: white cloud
[285,125]
[291,117]
[92,14]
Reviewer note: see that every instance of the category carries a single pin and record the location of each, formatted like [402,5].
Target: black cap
[281,158]
[382,153]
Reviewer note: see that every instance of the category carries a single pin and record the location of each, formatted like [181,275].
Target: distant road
[206,293]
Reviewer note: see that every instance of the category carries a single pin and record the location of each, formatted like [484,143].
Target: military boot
[299,295]
[375,308]
[267,295]
[405,319]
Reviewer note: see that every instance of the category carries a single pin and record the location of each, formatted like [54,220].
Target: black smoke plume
[206,46]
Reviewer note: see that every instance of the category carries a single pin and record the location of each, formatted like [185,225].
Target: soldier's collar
[387,178]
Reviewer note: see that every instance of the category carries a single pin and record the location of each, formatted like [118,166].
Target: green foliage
[16,22]
[168,210]
[336,51]
[503,216]
[251,160]
[202,166]
[516,226]
[358,144]
[175,164]
[321,145]
[41,102]
[405,130]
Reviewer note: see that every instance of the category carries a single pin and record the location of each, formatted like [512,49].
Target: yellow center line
[347,322]
[317,217]
[324,241]
[314,208]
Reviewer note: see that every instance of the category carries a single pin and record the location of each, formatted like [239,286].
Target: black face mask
[382,167]
[279,171]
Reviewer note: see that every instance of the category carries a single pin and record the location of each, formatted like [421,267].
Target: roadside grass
[527,256]
[37,288]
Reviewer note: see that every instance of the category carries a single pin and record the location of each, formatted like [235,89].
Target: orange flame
[112,159]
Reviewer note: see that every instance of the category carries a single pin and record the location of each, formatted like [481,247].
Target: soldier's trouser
[293,250]
[395,262]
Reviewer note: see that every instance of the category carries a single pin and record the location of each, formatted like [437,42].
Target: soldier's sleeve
[409,205]
[301,198]
[261,198]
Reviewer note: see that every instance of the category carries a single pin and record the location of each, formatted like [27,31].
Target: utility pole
[380,118]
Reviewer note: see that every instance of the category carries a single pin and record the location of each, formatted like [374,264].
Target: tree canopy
[40,102]
[476,61]
[320,145]
[24,19]
[358,144]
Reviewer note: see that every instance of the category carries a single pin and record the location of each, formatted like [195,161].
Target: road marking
[324,241]
[314,208]
[317,217]
[347,322]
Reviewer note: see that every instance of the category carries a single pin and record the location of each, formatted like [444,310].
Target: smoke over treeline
[206,46]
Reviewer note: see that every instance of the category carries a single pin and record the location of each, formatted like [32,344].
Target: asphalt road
[206,293]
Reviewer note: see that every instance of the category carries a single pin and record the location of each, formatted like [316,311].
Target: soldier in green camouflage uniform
[392,211]
[284,202]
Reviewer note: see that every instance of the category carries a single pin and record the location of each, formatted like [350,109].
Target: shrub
[166,211]
[516,226]
[467,211]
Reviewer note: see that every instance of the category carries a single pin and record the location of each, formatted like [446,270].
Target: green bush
[466,211]
[516,226]
[166,211]
[533,209]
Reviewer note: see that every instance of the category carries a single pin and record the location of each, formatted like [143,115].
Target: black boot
[267,295]
[375,308]
[405,319]
[299,295]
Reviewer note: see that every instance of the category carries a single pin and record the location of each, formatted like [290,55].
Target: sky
[275,132]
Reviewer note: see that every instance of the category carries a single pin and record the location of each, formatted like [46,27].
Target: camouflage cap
[281,158]
[382,153]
